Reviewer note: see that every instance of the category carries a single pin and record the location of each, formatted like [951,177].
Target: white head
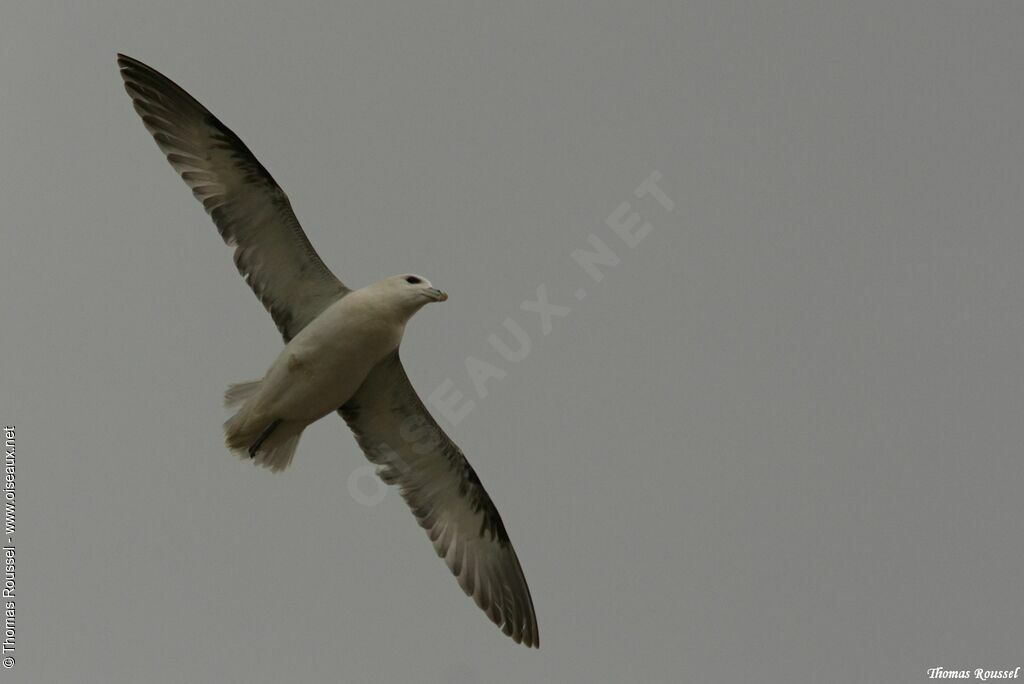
[407,293]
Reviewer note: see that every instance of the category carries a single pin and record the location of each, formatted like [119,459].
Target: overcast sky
[778,441]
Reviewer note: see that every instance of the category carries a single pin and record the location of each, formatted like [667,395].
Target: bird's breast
[324,365]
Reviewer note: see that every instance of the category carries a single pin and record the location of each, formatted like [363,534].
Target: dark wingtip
[125,62]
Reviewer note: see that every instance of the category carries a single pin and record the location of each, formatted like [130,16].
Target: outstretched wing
[398,434]
[251,211]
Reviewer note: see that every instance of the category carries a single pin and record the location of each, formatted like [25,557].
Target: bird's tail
[268,442]
[239,392]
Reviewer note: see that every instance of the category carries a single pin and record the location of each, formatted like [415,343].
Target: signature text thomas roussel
[979,673]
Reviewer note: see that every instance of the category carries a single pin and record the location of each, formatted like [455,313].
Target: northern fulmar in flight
[340,354]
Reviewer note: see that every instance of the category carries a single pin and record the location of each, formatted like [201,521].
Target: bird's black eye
[413,280]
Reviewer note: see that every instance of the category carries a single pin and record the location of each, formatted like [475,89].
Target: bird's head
[409,292]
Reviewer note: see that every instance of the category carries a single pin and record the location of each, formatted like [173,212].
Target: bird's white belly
[324,365]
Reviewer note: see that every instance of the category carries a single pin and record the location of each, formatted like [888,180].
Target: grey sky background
[780,441]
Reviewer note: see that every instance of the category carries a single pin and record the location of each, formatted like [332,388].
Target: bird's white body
[323,366]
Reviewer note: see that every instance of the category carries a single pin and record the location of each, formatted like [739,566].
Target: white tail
[277,451]
[246,429]
[239,392]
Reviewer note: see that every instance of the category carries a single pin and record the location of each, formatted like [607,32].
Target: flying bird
[340,354]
